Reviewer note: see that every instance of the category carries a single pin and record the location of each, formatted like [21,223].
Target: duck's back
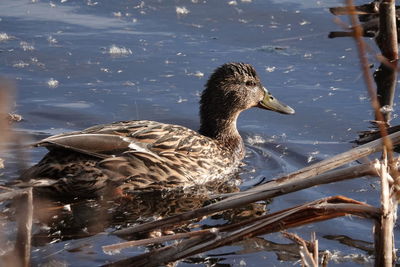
[128,156]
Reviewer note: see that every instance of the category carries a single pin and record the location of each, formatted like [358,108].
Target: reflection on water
[80,63]
[84,218]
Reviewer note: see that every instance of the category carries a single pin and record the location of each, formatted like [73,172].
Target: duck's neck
[221,126]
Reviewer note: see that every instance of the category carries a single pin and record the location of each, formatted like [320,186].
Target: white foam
[52,83]
[119,51]
[182,10]
[26,46]
[4,37]
[20,64]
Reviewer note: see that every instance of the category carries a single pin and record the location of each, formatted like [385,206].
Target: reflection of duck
[90,217]
[137,155]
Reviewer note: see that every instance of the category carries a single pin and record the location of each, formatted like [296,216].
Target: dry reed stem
[315,211]
[384,245]
[6,92]
[142,242]
[314,241]
[13,194]
[296,239]
[6,89]
[308,259]
[23,241]
[22,249]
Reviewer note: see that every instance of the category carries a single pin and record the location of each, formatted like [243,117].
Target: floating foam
[182,10]
[4,37]
[52,83]
[119,51]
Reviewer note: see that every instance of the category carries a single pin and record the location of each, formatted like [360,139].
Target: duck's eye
[250,83]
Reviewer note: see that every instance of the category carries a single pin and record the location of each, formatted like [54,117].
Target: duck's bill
[271,103]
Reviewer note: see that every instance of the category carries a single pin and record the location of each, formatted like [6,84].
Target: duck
[128,156]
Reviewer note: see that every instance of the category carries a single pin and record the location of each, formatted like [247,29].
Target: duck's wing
[134,155]
[109,140]
[175,156]
[101,141]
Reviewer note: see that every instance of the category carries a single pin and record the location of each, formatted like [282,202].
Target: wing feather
[112,140]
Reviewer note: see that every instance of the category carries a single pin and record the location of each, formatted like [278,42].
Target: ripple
[80,104]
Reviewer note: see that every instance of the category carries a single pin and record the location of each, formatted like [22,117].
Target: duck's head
[231,89]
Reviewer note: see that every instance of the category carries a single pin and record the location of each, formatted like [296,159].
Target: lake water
[80,63]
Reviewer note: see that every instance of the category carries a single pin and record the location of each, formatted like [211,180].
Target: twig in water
[161,239]
[315,211]
[308,259]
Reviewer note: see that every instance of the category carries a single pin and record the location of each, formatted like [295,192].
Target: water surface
[80,63]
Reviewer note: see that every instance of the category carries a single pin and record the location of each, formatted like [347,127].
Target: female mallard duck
[145,155]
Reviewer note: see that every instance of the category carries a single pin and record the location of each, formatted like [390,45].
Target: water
[80,63]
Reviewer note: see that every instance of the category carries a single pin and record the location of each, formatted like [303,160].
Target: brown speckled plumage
[147,155]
